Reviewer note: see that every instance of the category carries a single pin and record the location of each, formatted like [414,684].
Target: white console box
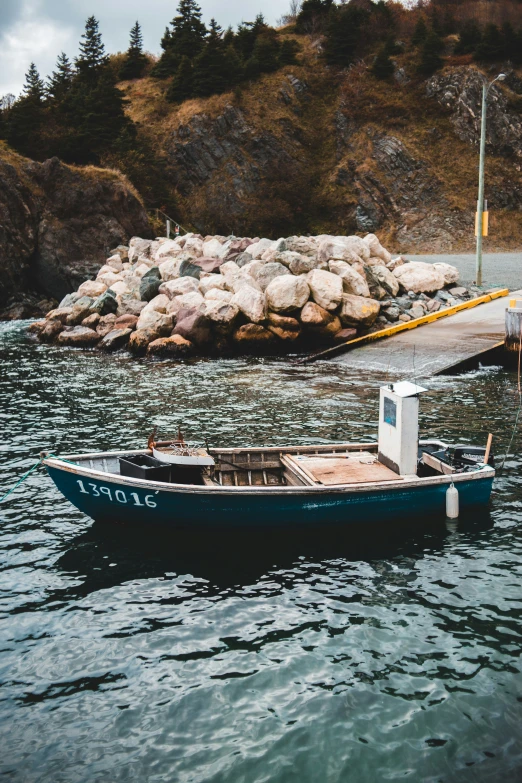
[399,426]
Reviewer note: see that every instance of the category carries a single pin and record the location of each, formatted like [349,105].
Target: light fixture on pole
[480,202]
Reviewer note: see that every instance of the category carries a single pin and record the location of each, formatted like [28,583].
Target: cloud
[38,30]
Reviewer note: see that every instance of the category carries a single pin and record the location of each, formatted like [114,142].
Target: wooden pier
[453,340]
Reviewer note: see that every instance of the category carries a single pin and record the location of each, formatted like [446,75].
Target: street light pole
[480,202]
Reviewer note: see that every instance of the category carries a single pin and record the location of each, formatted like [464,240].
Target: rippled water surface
[372,654]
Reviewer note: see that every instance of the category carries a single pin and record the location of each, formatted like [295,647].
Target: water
[390,653]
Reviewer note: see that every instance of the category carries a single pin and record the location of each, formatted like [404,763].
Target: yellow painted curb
[403,327]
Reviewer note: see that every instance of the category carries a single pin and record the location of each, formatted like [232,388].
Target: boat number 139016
[117,495]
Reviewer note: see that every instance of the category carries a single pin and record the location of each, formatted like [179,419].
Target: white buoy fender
[452,502]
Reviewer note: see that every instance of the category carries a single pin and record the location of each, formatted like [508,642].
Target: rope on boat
[31,470]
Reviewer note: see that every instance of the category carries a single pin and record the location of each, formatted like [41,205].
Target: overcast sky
[40,29]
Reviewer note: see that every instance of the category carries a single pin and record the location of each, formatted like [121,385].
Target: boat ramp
[448,341]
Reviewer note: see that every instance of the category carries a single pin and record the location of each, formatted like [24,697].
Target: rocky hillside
[309,151]
[57,223]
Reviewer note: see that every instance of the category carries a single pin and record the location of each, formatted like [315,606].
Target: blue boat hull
[111,500]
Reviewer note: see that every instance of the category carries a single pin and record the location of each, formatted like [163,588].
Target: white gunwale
[403,483]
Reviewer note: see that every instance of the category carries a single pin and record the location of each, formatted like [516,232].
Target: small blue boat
[178,486]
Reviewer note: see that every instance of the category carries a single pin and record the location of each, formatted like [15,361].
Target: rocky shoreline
[218,295]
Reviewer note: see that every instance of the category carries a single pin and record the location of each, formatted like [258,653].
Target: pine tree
[288,52]
[266,52]
[343,34]
[92,52]
[420,33]
[182,85]
[313,16]
[135,61]
[25,120]
[186,39]
[34,87]
[60,81]
[383,67]
[210,66]
[469,39]
[430,60]
[491,46]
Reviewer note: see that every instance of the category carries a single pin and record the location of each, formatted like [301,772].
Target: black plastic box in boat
[142,466]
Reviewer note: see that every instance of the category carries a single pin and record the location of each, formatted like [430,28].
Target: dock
[451,343]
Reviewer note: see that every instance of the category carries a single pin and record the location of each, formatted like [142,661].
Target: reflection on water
[364,654]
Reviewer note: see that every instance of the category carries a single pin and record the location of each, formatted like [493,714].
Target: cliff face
[56,225]
[306,151]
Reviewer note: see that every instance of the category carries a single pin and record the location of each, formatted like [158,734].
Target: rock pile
[214,294]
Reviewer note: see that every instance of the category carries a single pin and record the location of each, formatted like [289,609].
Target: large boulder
[269,272]
[150,283]
[386,278]
[285,328]
[251,302]
[194,326]
[93,288]
[174,347]
[300,264]
[243,258]
[156,323]
[92,320]
[212,248]
[129,305]
[353,282]
[194,246]
[78,337]
[116,339]
[343,249]
[223,314]
[169,269]
[326,288]
[254,338]
[188,268]
[159,304]
[105,324]
[193,300]
[51,330]
[449,272]
[318,321]
[139,247]
[376,249]
[124,322]
[139,341]
[216,294]
[119,288]
[210,282]
[77,314]
[210,265]
[256,250]
[419,277]
[105,304]
[183,285]
[359,310]
[170,248]
[305,246]
[287,293]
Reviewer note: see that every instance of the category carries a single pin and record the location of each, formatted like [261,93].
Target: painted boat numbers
[98,491]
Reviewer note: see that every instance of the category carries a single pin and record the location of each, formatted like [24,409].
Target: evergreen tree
[265,55]
[512,43]
[210,66]
[182,86]
[246,37]
[313,15]
[491,47]
[135,61]
[34,87]
[343,34]
[25,119]
[383,67]
[288,52]
[469,39]
[186,39]
[420,33]
[233,67]
[430,60]
[92,58]
[60,81]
